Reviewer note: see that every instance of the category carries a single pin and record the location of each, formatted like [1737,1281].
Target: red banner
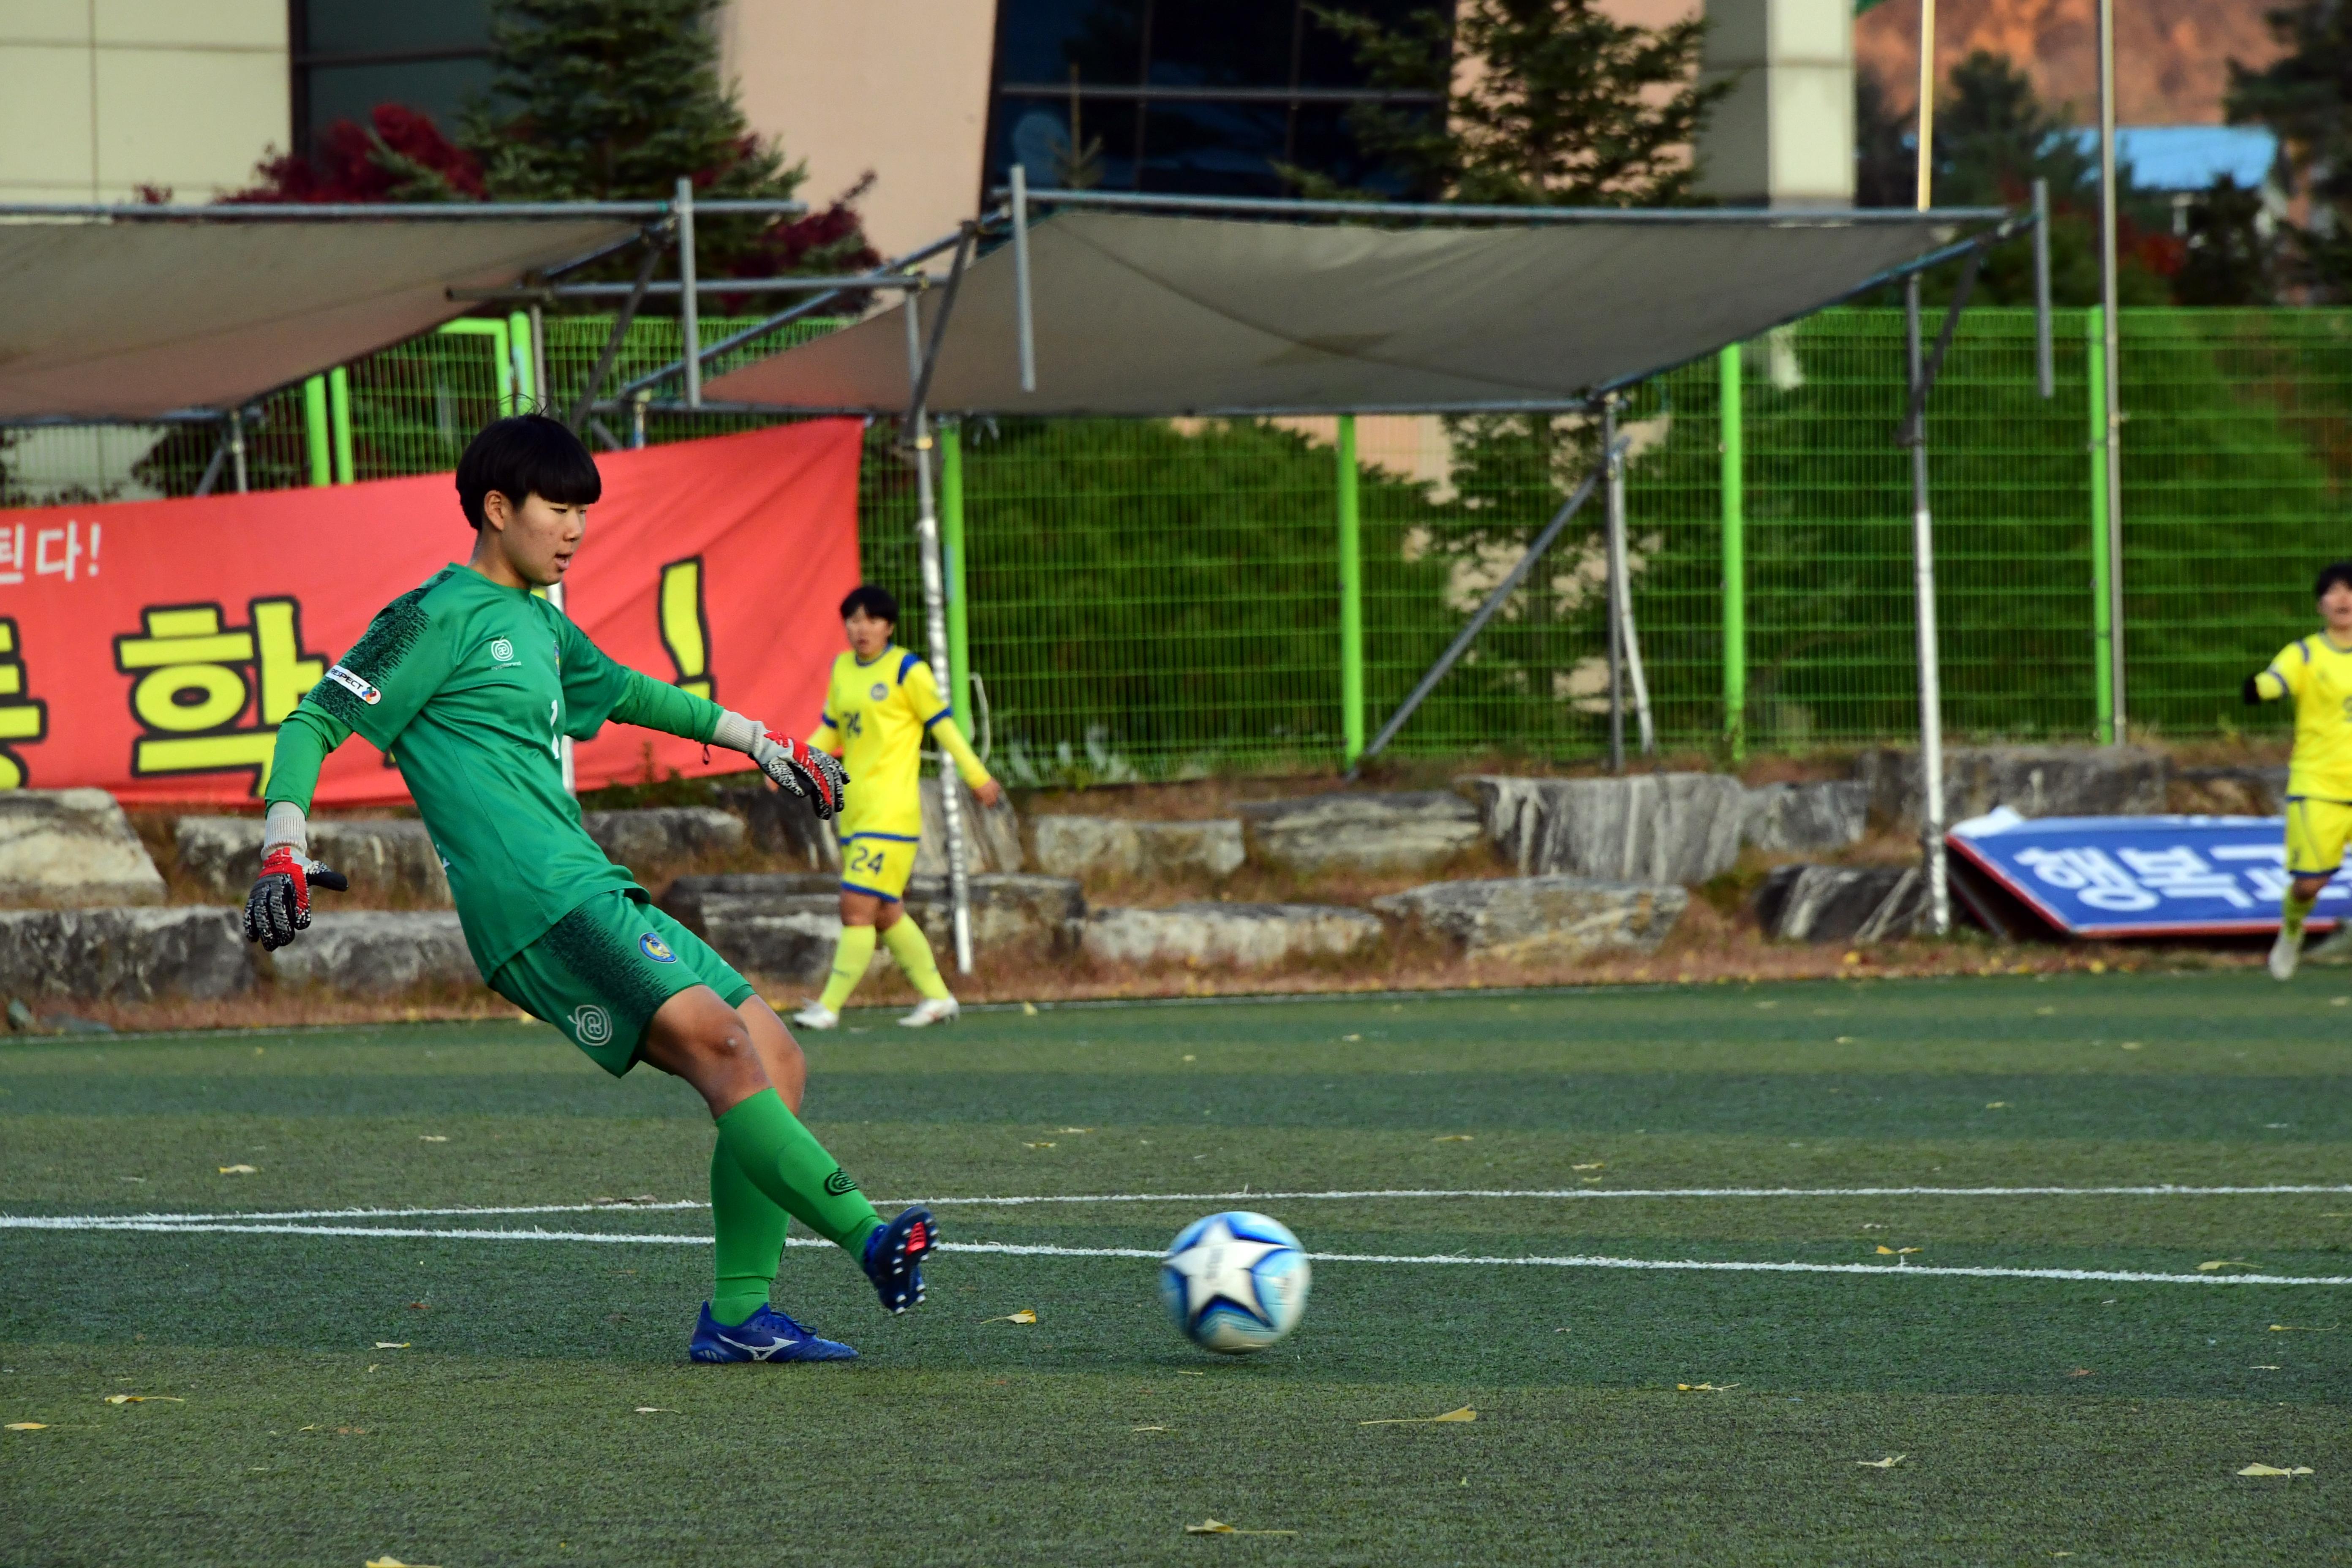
[150,648]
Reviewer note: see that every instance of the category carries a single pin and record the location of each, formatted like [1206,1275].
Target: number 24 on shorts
[872,859]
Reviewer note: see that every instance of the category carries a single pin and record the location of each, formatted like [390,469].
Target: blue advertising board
[2143,876]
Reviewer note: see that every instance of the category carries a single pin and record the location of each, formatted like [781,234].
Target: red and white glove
[797,768]
[279,904]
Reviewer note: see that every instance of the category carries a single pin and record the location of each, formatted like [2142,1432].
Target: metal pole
[1351,599]
[1629,636]
[2102,626]
[637,419]
[540,389]
[586,402]
[1021,300]
[689,315]
[236,447]
[1735,558]
[1931,696]
[2111,354]
[1613,557]
[935,619]
[2046,370]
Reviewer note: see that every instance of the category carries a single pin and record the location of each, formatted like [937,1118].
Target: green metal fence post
[1735,558]
[2103,631]
[314,430]
[951,437]
[1351,599]
[339,411]
[505,361]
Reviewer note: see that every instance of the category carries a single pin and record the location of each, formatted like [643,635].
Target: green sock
[2292,910]
[849,962]
[908,946]
[786,1162]
[751,1234]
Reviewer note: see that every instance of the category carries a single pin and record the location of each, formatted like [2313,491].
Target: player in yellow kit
[881,704]
[2317,671]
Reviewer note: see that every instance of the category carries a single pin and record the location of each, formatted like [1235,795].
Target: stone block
[1244,936]
[663,835]
[782,824]
[72,848]
[378,952]
[1840,903]
[1537,918]
[1649,829]
[124,954]
[991,833]
[785,926]
[1408,831]
[381,854]
[2032,781]
[1825,816]
[1010,910]
[2228,792]
[1111,847]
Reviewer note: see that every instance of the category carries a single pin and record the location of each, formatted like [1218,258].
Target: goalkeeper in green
[471,683]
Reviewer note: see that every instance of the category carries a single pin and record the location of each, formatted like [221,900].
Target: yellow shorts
[2315,832]
[880,863]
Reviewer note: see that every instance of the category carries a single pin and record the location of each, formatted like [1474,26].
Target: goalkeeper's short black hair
[529,455]
[875,602]
[2341,571]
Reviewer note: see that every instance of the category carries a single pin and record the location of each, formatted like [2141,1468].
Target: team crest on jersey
[880,691]
[356,686]
[653,947]
[591,1026]
[502,652]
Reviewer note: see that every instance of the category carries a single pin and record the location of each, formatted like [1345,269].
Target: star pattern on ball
[1221,1266]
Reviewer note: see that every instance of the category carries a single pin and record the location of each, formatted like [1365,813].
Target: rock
[660,834]
[1111,847]
[1534,918]
[124,954]
[2228,792]
[785,926]
[381,854]
[1827,816]
[1403,831]
[991,835]
[1246,936]
[20,1017]
[1649,829]
[782,824]
[1840,903]
[72,848]
[374,952]
[2033,780]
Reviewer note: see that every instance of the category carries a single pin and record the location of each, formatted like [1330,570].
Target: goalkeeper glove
[797,768]
[279,904]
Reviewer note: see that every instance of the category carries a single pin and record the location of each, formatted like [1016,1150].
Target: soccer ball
[1235,1282]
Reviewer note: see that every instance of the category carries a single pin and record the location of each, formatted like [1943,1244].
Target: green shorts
[601,972]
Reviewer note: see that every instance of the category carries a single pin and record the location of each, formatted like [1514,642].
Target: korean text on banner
[151,648]
[2143,876]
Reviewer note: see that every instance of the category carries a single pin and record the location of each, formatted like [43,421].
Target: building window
[349,56]
[1194,97]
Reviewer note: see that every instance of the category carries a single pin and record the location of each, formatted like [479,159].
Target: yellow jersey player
[2317,671]
[880,705]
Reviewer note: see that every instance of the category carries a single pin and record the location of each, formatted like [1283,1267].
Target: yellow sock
[2292,911]
[849,961]
[907,944]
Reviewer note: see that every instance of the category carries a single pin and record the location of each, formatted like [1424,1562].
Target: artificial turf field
[539,1410]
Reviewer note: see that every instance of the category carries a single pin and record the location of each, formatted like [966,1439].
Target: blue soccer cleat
[766,1335]
[894,1258]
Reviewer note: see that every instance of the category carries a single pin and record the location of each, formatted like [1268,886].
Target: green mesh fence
[1148,598]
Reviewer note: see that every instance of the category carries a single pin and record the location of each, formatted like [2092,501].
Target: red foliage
[830,238]
[350,164]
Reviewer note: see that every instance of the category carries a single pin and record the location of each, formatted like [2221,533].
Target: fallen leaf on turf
[392,1344]
[28,1426]
[1192,1375]
[1454,1138]
[655,1410]
[1705,1387]
[394,1562]
[1028,1009]
[2213,1264]
[2301,1328]
[1464,1414]
[1351,1037]
[1217,1527]
[1047,1144]
[431,1138]
[1073,1129]
[1026,1315]
[144,1399]
[2131,1044]
[1896,1251]
[1996,1105]
[1594,1165]
[1887,1463]
[1147,1428]
[2082,1372]
[2264,1366]
[239,1171]
[2275,1470]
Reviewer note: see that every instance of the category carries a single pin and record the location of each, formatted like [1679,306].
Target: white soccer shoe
[817,1015]
[940,1010]
[2285,952]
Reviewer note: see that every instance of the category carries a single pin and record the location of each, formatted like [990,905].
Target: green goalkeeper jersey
[470,687]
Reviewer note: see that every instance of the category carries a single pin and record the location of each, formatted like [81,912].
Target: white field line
[1021,1249]
[152,1221]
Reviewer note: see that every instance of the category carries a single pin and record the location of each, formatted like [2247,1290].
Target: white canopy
[1148,314]
[115,320]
